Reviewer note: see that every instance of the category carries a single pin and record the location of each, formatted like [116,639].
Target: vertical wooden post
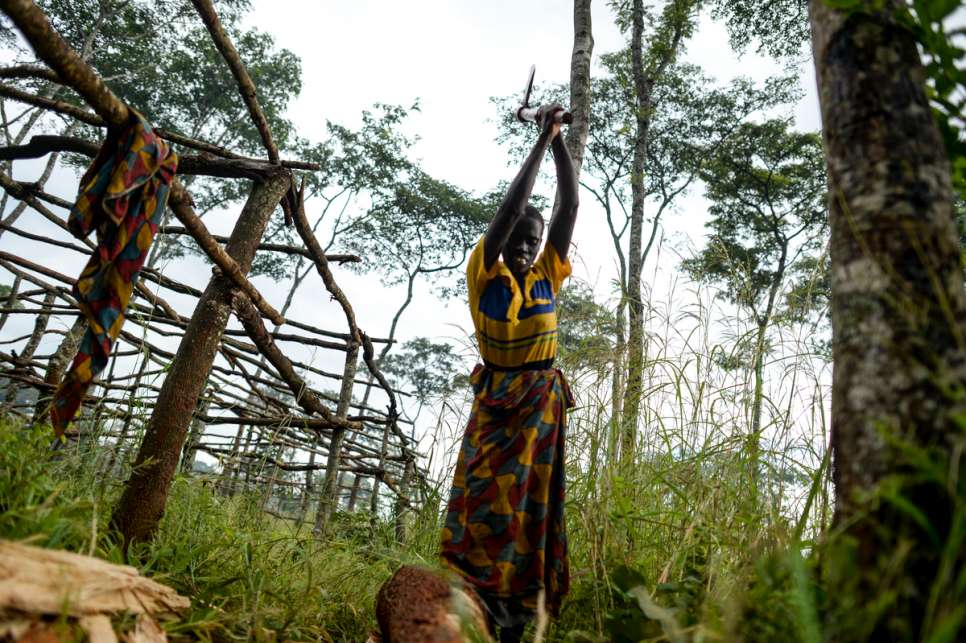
[11,300]
[56,366]
[248,447]
[40,327]
[309,488]
[330,491]
[400,508]
[374,492]
[354,493]
[190,452]
[131,399]
[233,461]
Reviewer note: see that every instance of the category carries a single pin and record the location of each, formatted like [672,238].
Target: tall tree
[580,92]
[898,311]
[766,186]
[777,27]
[183,89]
[663,45]
[426,368]
[420,227]
[586,328]
[356,165]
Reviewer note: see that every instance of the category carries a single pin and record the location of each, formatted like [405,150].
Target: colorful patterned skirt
[505,531]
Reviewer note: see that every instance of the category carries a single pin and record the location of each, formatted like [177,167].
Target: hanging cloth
[122,198]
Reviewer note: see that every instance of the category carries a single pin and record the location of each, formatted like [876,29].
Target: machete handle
[529,114]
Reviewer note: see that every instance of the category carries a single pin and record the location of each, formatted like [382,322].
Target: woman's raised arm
[518,194]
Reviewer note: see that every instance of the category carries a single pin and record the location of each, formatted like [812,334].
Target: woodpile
[48,595]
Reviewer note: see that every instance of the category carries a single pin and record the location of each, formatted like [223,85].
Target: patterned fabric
[515,327]
[505,531]
[122,198]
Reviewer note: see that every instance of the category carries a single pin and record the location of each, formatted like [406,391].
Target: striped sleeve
[476,273]
[551,265]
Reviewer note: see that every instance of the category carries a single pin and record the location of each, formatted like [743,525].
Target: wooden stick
[22,191]
[307,399]
[270,247]
[30,71]
[245,85]
[180,205]
[40,145]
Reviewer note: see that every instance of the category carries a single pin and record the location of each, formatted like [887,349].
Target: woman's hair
[531,212]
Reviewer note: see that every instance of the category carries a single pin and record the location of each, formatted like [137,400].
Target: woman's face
[521,249]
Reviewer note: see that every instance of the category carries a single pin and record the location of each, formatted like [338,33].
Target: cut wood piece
[98,628]
[44,581]
[146,630]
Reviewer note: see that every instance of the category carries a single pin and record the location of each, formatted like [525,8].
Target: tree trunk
[764,321]
[132,397]
[898,311]
[142,502]
[330,491]
[753,449]
[617,382]
[580,59]
[635,305]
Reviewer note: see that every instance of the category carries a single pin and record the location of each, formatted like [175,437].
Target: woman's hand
[549,126]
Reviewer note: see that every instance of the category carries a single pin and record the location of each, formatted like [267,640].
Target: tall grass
[249,575]
[676,548]
[683,525]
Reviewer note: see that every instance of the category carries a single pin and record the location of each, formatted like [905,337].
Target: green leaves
[418,225]
[935,10]
[766,184]
[585,327]
[425,367]
[779,27]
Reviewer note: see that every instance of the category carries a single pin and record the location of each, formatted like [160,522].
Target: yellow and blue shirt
[514,328]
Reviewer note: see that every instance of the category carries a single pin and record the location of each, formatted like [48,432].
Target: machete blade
[529,88]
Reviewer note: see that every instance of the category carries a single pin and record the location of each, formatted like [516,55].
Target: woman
[505,531]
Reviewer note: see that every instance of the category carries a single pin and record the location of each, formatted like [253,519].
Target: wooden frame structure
[251,383]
